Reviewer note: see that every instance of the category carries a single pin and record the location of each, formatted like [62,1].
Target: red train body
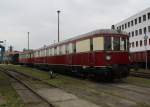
[101,52]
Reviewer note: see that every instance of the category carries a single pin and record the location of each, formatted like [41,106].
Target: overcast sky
[39,17]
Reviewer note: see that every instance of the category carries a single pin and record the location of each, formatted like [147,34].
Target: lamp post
[145,38]
[28,40]
[58,12]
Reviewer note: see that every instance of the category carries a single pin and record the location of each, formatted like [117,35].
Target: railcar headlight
[108,57]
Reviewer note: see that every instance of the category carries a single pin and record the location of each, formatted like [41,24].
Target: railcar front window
[107,43]
[123,44]
[116,43]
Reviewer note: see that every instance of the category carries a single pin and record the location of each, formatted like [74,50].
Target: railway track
[140,74]
[28,94]
[49,94]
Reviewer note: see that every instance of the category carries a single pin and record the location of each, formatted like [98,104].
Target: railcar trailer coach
[102,52]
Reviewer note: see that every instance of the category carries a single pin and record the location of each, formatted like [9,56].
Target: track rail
[140,74]
[6,71]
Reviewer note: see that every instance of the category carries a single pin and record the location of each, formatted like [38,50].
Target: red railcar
[139,58]
[101,52]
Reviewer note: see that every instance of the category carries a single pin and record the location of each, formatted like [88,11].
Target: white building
[137,26]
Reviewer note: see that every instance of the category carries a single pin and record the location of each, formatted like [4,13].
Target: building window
[132,23]
[140,43]
[129,45]
[132,44]
[122,27]
[144,30]
[139,19]
[117,28]
[148,14]
[140,31]
[135,21]
[144,17]
[136,32]
[148,28]
[145,42]
[137,44]
[128,24]
[125,25]
[132,33]
[129,34]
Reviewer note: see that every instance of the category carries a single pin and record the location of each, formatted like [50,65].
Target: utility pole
[58,12]
[28,40]
[145,38]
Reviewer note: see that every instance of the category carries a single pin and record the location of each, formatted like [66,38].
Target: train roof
[95,32]
[99,31]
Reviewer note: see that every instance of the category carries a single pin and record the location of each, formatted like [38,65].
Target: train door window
[149,41]
[55,51]
[70,48]
[91,44]
[116,43]
[67,49]
[123,44]
[98,43]
[74,47]
[107,43]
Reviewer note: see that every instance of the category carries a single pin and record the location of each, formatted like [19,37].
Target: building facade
[138,28]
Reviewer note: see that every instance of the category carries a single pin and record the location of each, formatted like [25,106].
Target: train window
[63,50]
[74,47]
[98,43]
[123,44]
[107,43]
[70,48]
[55,51]
[83,46]
[116,43]
[67,49]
